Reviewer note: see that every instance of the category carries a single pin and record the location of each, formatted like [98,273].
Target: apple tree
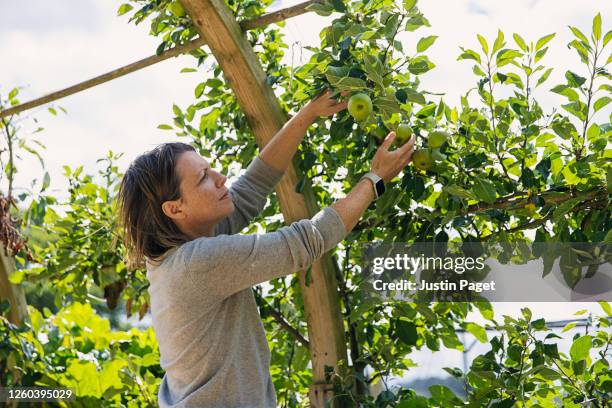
[498,167]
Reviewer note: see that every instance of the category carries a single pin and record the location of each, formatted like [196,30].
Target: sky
[49,45]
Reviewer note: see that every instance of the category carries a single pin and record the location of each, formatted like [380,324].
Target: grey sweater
[211,338]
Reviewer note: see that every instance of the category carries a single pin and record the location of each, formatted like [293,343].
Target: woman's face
[205,200]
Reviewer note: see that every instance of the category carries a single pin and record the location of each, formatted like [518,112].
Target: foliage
[76,349]
[85,259]
[510,171]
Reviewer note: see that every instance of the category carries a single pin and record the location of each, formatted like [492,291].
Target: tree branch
[550,197]
[278,316]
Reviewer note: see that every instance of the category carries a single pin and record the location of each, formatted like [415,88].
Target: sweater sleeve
[226,264]
[249,194]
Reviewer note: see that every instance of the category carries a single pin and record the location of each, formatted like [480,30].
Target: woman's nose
[221,180]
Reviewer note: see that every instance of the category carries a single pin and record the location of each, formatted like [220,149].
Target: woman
[179,217]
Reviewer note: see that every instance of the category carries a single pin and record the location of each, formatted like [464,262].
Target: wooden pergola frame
[220,31]
[257,22]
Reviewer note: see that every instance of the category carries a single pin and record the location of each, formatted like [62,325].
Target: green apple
[403,134]
[437,138]
[176,8]
[360,106]
[422,159]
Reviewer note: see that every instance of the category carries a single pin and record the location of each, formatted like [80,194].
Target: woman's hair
[150,180]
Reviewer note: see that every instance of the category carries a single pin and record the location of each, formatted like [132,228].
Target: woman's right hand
[387,164]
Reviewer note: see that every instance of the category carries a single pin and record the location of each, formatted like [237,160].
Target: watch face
[380,188]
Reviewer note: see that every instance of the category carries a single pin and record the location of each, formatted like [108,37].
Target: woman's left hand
[324,105]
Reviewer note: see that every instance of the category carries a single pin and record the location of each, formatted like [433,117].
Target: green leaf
[414,402]
[458,191]
[469,54]
[607,38]
[566,91]
[346,83]
[188,70]
[579,34]
[565,207]
[338,5]
[484,190]
[539,324]
[548,374]
[420,65]
[551,350]
[426,42]
[124,8]
[177,111]
[485,308]
[499,41]
[520,42]
[441,393]
[577,108]
[322,9]
[160,49]
[544,40]
[483,44]
[597,26]
[109,375]
[477,331]
[415,22]
[414,96]
[580,348]
[407,332]
[574,80]
[199,90]
[46,181]
[601,102]
[506,56]
[13,93]
[164,127]
[427,110]
[540,54]
[86,379]
[373,69]
[544,77]
[593,132]
[387,104]
[409,4]
[391,26]
[606,307]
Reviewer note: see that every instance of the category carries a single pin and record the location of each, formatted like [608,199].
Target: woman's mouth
[224,196]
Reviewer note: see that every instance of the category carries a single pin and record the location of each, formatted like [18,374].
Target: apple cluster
[360,108]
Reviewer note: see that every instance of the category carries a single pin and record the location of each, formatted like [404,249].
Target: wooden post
[242,70]
[11,292]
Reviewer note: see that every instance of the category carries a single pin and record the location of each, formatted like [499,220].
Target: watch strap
[377,183]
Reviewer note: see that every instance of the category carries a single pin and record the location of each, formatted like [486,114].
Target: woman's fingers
[339,106]
[409,145]
[388,140]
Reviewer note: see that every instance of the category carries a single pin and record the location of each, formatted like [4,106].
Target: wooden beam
[18,313]
[243,72]
[116,73]
[279,15]
[250,24]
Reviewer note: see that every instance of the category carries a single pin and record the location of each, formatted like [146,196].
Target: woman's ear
[173,209]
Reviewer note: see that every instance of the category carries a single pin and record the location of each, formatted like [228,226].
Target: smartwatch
[377,182]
